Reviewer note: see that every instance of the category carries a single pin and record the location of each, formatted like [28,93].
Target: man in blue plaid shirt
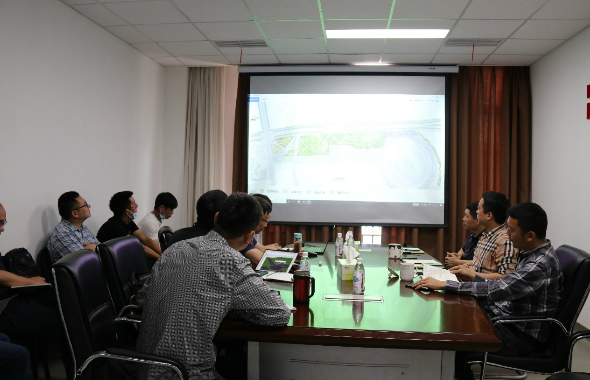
[532,289]
[70,235]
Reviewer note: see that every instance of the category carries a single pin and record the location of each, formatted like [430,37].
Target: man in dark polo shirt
[124,210]
[471,224]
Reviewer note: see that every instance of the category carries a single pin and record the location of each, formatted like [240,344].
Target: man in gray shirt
[196,282]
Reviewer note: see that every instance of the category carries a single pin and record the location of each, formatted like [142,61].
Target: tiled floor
[581,363]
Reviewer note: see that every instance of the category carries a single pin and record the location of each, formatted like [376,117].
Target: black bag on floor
[20,262]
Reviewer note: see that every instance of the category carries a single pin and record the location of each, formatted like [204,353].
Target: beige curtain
[203,147]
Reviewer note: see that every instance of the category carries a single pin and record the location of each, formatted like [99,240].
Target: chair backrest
[124,264]
[575,266]
[85,305]
[164,237]
[44,265]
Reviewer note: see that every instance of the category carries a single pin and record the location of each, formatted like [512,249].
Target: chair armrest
[128,307]
[575,338]
[137,357]
[519,319]
[129,318]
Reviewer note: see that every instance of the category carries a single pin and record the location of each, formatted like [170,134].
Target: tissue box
[345,270]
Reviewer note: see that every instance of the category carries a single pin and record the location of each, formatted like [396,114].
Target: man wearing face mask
[163,209]
[124,210]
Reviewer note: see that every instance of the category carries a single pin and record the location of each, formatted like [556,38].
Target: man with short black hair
[196,283]
[495,255]
[207,206]
[121,224]
[163,209]
[471,224]
[532,289]
[254,250]
[70,235]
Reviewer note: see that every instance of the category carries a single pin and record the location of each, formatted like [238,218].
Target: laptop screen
[276,261]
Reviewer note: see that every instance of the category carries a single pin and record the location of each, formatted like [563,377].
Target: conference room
[94,99]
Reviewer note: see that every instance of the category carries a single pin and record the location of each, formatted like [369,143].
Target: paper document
[278,276]
[438,273]
[420,261]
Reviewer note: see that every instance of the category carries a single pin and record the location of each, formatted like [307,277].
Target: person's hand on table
[429,283]
[273,247]
[464,272]
[452,259]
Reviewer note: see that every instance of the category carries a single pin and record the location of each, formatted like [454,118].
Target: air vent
[241,44]
[463,42]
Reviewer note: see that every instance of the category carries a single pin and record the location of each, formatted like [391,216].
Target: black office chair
[164,237]
[88,316]
[556,355]
[125,268]
[44,264]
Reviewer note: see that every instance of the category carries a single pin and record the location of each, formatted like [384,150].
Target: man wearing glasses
[254,251]
[70,235]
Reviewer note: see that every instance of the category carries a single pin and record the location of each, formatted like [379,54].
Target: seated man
[196,283]
[207,206]
[532,289]
[121,224]
[14,360]
[70,235]
[163,209]
[254,251]
[495,255]
[258,236]
[28,315]
[470,223]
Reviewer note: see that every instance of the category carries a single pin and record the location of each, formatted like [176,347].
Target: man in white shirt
[163,209]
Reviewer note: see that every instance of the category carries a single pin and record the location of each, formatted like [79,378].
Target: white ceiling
[181,32]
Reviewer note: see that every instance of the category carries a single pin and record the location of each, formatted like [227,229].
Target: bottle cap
[339,234]
[359,260]
[304,254]
[297,235]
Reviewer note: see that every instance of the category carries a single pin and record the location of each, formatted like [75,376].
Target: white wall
[561,144]
[79,110]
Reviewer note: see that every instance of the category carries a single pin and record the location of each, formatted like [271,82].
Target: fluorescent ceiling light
[372,64]
[387,33]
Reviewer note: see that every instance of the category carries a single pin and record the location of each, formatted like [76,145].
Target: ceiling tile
[421,24]
[484,28]
[171,32]
[354,9]
[304,46]
[407,45]
[151,49]
[128,34]
[534,47]
[254,59]
[284,9]
[355,24]
[466,49]
[246,50]
[229,31]
[190,48]
[292,29]
[76,2]
[214,10]
[148,12]
[511,60]
[557,9]
[458,59]
[423,59]
[428,9]
[168,61]
[355,46]
[550,29]
[99,14]
[306,59]
[354,58]
[502,9]
[204,60]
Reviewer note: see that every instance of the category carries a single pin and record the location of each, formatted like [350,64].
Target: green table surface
[406,319]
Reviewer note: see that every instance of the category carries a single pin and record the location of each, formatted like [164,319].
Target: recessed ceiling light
[372,64]
[387,33]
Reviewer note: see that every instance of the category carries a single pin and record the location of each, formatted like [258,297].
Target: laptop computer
[312,249]
[275,265]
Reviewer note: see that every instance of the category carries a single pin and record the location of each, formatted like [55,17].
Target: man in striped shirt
[532,289]
[495,255]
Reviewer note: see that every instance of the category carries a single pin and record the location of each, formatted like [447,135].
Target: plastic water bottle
[339,244]
[304,264]
[358,277]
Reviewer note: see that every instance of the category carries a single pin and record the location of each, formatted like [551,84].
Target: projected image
[361,147]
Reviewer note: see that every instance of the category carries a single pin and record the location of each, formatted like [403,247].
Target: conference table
[410,334]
